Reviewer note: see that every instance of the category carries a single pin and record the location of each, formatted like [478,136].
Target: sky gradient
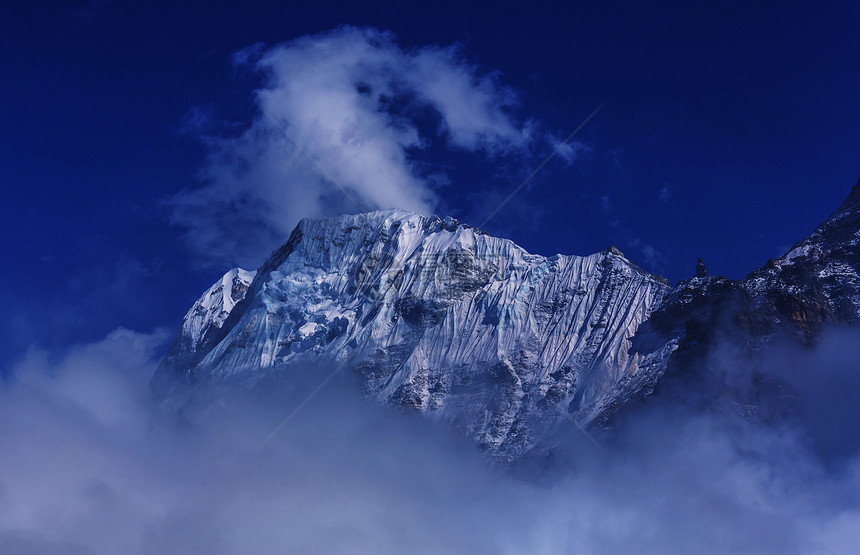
[728,132]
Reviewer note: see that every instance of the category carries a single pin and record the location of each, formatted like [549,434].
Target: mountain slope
[440,317]
[429,314]
[792,298]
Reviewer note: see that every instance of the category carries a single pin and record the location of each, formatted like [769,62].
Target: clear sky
[138,164]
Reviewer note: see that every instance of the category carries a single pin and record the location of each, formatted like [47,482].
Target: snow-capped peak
[432,314]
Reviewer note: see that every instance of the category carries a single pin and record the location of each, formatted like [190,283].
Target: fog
[87,465]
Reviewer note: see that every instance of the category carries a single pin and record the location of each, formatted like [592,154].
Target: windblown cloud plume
[341,119]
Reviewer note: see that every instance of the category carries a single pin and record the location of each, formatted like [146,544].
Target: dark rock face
[701,270]
[706,320]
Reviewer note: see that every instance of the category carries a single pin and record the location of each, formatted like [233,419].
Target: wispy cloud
[605,204]
[90,9]
[341,118]
[652,256]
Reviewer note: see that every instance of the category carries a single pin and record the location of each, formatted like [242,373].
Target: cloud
[89,467]
[605,205]
[665,193]
[106,286]
[91,9]
[826,382]
[571,150]
[342,120]
[198,121]
[105,380]
[652,257]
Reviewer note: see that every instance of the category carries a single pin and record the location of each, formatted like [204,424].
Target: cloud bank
[342,119]
[87,466]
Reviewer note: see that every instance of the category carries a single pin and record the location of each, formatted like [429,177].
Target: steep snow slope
[430,314]
[202,325]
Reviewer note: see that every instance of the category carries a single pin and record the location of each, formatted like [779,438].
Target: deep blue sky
[746,114]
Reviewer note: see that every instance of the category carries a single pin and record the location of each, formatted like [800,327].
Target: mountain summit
[430,314]
[442,318]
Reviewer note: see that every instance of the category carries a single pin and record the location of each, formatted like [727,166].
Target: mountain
[710,322]
[429,314]
[442,318]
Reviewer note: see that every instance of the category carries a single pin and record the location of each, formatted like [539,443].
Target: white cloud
[471,106]
[87,467]
[101,380]
[342,116]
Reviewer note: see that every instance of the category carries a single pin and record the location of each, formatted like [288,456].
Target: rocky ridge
[439,317]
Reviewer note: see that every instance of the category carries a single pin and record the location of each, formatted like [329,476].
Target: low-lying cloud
[342,118]
[87,466]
